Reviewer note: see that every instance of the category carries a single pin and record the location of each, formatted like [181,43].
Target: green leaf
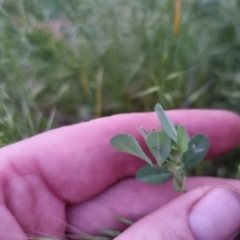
[197,149]
[153,174]
[143,131]
[166,123]
[127,143]
[160,146]
[182,139]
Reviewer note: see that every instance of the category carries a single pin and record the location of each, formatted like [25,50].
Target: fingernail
[216,216]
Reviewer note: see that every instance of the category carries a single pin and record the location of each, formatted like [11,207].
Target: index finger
[77,162]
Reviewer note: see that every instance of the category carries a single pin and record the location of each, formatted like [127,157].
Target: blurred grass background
[63,62]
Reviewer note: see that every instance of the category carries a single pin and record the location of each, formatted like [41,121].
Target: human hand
[72,178]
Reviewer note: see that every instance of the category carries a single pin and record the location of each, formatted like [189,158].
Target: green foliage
[179,182]
[166,124]
[182,139]
[53,51]
[197,149]
[143,131]
[127,143]
[160,146]
[171,148]
[153,174]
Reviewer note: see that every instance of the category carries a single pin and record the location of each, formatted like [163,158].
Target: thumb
[202,214]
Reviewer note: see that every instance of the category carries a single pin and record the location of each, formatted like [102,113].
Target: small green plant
[172,148]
